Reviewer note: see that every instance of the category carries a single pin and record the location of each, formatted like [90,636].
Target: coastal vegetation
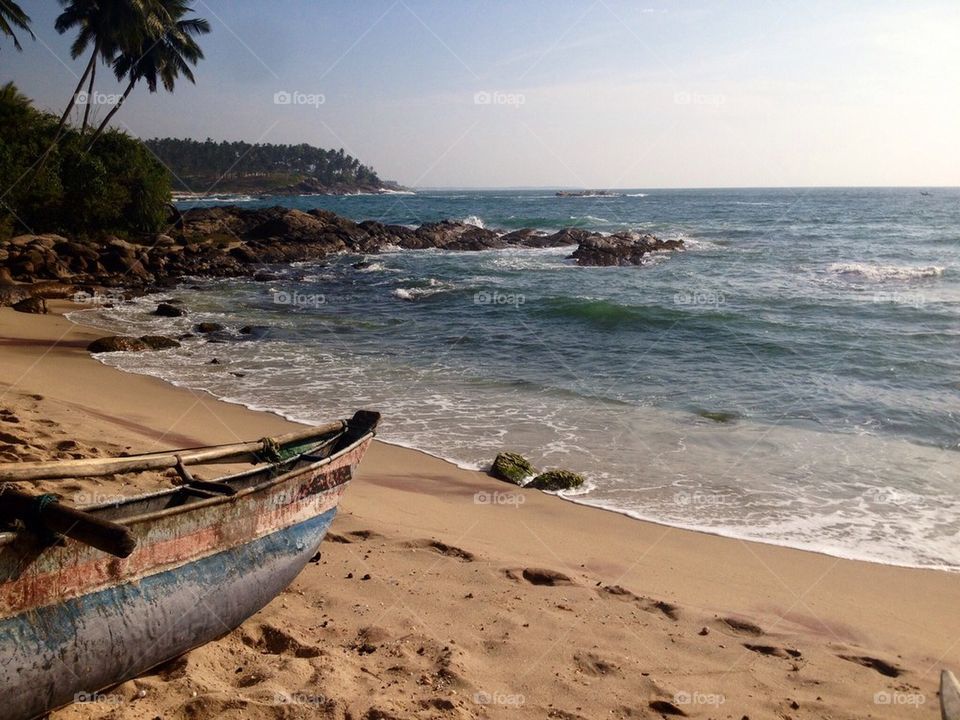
[115,187]
[261,167]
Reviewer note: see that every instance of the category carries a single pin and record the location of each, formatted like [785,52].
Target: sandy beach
[445,593]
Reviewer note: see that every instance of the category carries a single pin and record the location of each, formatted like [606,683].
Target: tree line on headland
[87,178]
[259,167]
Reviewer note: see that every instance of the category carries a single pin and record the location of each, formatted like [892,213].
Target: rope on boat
[271,451]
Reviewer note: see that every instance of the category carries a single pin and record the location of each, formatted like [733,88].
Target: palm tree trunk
[63,118]
[112,112]
[93,74]
[73,98]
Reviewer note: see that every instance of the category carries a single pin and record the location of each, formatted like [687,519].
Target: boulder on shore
[117,343]
[512,467]
[35,305]
[556,480]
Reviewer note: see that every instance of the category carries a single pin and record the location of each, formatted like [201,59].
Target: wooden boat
[93,596]
[949,696]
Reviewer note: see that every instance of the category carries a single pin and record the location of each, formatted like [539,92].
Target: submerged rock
[556,480]
[512,467]
[718,416]
[159,342]
[168,310]
[209,327]
[117,343]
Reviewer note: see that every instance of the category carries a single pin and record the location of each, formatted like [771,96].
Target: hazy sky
[555,93]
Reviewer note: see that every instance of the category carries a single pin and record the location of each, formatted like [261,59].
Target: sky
[562,93]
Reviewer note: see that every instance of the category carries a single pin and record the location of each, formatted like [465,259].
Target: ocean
[792,377]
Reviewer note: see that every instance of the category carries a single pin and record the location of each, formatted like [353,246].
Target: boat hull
[87,621]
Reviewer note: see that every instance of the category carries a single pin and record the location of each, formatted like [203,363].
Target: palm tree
[107,26]
[12,16]
[159,58]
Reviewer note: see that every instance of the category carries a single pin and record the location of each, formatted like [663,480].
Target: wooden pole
[90,467]
[46,511]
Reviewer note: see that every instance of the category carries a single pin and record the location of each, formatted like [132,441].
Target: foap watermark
[894,697]
[98,298]
[97,697]
[685,97]
[284,97]
[498,498]
[85,497]
[912,299]
[496,97]
[697,498]
[702,297]
[685,697]
[98,98]
[298,299]
[499,698]
[494,297]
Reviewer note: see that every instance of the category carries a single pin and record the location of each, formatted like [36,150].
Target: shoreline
[468,467]
[627,614]
[729,532]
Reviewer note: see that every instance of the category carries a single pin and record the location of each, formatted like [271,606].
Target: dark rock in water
[361,265]
[264,276]
[718,416]
[556,480]
[448,235]
[117,343]
[255,331]
[214,362]
[209,327]
[524,237]
[566,236]
[35,305]
[159,342]
[626,248]
[512,467]
[168,310]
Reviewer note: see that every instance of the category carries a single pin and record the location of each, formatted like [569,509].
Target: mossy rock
[718,416]
[512,467]
[556,480]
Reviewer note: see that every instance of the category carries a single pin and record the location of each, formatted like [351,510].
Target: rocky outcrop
[625,248]
[230,241]
[158,342]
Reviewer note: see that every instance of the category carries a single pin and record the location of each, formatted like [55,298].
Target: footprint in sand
[274,641]
[648,604]
[592,664]
[540,576]
[881,666]
[744,627]
[443,549]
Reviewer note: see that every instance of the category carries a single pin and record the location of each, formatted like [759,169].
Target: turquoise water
[792,377]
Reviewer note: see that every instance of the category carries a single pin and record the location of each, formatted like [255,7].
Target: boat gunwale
[9,536]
